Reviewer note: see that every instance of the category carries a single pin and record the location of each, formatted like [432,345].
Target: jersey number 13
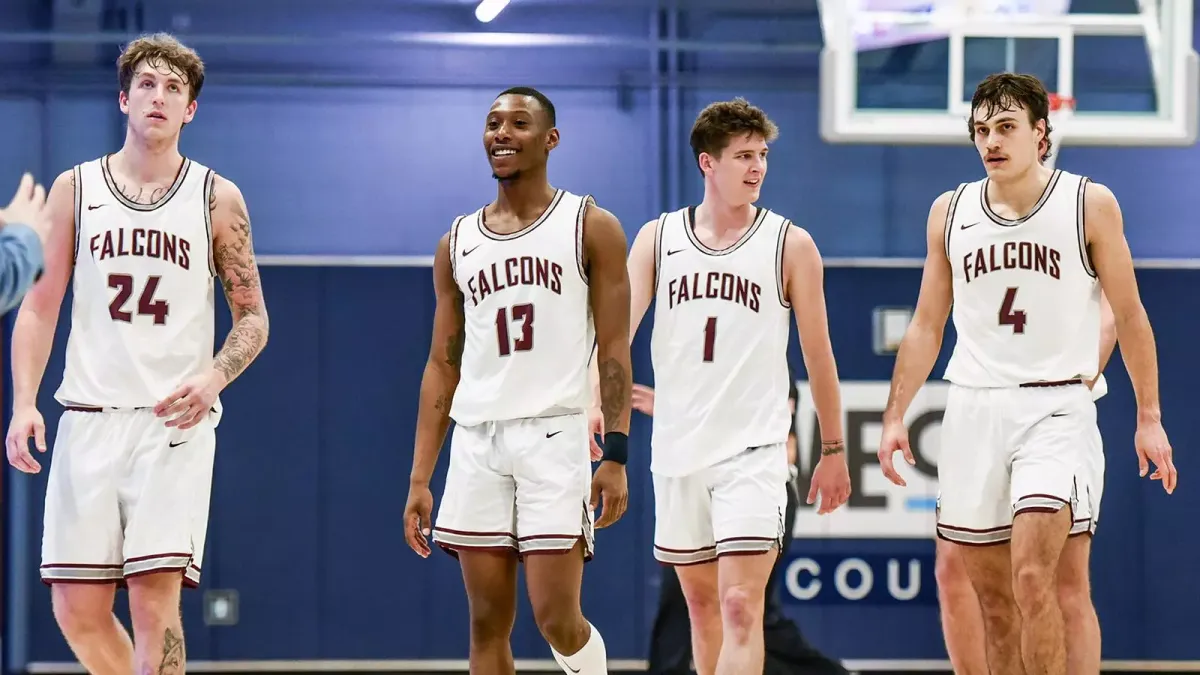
[522,315]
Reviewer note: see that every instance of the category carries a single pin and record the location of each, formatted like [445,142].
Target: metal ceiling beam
[789,7]
[427,39]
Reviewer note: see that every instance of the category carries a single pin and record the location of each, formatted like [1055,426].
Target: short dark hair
[722,121]
[542,100]
[1006,91]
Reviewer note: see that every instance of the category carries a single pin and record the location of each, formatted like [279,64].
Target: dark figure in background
[786,649]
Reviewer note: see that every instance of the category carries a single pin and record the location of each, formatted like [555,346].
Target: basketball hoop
[1062,107]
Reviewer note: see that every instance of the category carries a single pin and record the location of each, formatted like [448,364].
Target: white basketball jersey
[719,344]
[529,330]
[1026,299]
[142,312]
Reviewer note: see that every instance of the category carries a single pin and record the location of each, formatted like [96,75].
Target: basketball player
[725,275]
[519,283]
[1022,256]
[962,621]
[142,232]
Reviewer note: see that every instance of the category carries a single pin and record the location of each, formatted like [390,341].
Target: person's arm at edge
[22,260]
[37,319]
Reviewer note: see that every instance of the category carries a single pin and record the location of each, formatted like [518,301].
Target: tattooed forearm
[443,402]
[832,448]
[233,256]
[616,384]
[457,341]
[242,345]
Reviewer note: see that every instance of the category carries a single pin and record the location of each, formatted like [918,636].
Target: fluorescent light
[489,9]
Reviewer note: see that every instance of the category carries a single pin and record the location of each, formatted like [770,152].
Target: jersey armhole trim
[949,226]
[1081,226]
[453,245]
[77,179]
[658,236]
[579,257]
[779,245]
[210,180]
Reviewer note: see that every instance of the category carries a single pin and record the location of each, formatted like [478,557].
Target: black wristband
[616,447]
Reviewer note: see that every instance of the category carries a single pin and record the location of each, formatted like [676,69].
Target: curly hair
[161,49]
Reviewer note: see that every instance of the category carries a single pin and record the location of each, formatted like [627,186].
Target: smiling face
[729,140]
[518,135]
[738,171]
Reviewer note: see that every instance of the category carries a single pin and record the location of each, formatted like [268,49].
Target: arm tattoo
[443,402]
[457,342]
[832,448]
[235,262]
[614,392]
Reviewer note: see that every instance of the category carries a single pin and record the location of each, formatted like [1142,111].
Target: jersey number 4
[1008,315]
[146,304]
[524,342]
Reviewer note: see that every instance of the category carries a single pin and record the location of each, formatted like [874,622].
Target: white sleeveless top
[719,344]
[142,318]
[1026,299]
[529,330]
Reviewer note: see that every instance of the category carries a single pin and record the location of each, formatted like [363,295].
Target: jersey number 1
[522,313]
[710,338]
[146,304]
[1009,316]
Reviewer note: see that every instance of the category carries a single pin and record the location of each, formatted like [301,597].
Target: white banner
[877,509]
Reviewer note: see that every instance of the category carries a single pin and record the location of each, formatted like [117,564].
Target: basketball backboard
[903,71]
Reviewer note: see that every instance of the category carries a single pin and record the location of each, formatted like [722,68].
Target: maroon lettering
[1012,255]
[141,242]
[724,286]
[515,272]
[147,305]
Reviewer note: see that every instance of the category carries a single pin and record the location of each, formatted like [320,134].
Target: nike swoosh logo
[966,226]
[560,661]
[678,250]
[467,251]
[175,445]
[93,207]
[549,435]
[1059,415]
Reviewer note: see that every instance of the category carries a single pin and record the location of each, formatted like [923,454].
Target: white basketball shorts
[733,507]
[520,485]
[126,496]
[1017,449]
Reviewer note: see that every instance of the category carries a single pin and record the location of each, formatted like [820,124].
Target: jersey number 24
[146,304]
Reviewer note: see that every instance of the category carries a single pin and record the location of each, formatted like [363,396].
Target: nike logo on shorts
[175,445]
[552,435]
